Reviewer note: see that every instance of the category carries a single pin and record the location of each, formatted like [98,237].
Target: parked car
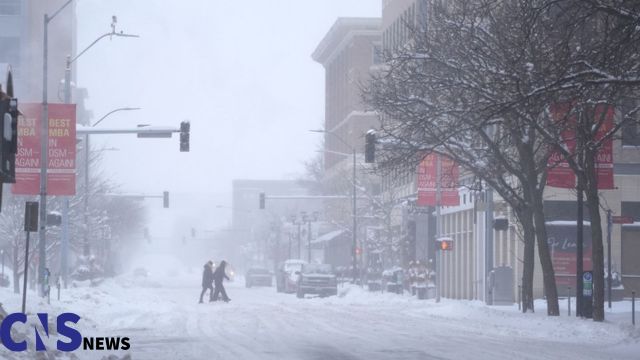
[257,276]
[317,279]
[287,275]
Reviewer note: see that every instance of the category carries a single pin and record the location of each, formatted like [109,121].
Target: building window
[9,7]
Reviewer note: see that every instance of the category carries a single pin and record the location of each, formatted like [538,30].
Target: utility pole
[44,146]
[299,239]
[309,241]
[488,244]
[579,249]
[439,278]
[609,278]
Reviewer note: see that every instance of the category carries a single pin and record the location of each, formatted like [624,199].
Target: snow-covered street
[261,324]
[161,315]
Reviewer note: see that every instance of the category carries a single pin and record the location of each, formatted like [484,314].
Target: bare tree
[461,88]
[600,72]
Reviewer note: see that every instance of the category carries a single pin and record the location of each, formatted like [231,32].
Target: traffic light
[185,127]
[370,147]
[445,244]
[165,199]
[8,139]
[262,200]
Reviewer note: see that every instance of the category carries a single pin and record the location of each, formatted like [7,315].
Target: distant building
[21,45]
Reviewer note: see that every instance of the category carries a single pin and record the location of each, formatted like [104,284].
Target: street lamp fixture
[354,245]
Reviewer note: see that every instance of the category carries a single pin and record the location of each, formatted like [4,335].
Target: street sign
[622,219]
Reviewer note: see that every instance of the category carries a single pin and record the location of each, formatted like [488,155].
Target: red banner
[61,170]
[427,186]
[559,174]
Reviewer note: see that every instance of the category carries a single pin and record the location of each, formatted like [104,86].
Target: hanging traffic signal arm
[144,132]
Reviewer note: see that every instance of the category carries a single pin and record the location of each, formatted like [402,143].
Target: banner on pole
[427,186]
[61,169]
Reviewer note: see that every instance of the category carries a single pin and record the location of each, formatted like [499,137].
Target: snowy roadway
[164,321]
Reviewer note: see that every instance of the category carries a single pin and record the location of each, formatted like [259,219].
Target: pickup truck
[317,279]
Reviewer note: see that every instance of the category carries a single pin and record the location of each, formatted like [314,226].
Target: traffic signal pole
[439,255]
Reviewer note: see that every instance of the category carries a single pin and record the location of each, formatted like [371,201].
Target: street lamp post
[67,100]
[44,141]
[354,245]
[2,252]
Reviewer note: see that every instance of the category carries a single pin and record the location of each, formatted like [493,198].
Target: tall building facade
[348,51]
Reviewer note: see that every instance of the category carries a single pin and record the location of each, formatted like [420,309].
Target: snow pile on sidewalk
[499,320]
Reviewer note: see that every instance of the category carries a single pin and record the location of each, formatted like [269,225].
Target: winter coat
[207,275]
[220,274]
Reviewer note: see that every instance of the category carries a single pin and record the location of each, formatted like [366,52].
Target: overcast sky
[240,71]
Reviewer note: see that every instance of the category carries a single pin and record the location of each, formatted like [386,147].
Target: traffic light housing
[262,200]
[8,139]
[445,244]
[370,147]
[165,199]
[185,128]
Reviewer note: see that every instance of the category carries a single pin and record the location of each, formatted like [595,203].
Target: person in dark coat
[207,280]
[218,276]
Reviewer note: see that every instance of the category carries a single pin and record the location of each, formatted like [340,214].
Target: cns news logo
[74,340]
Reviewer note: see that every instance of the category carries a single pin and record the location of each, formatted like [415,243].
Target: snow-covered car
[318,279]
[287,275]
[258,276]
